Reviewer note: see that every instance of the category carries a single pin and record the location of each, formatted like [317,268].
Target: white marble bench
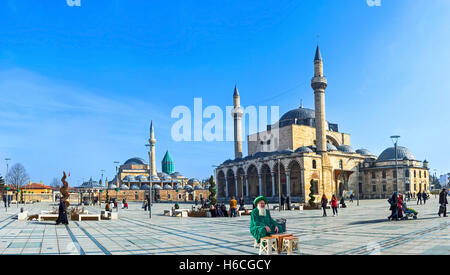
[181,213]
[22,216]
[168,213]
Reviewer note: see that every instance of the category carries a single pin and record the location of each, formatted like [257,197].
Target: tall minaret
[319,84]
[237,115]
[152,142]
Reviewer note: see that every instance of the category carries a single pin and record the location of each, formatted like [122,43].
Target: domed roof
[145,187]
[187,186]
[402,153]
[134,187]
[90,184]
[304,149]
[135,161]
[155,178]
[168,187]
[124,187]
[298,116]
[346,149]
[142,178]
[178,187]
[176,174]
[364,152]
[112,186]
[198,187]
[192,181]
[129,178]
[157,187]
[331,147]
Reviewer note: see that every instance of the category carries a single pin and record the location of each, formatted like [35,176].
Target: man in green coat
[261,224]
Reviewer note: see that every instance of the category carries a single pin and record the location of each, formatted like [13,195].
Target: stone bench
[81,216]
[181,213]
[22,216]
[168,213]
[43,216]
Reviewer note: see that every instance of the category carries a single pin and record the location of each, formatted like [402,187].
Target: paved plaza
[360,229]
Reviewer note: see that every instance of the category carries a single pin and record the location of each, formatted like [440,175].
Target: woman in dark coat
[62,214]
[324,203]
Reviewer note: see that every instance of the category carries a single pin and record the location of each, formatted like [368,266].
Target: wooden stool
[290,244]
[280,238]
[268,246]
[256,244]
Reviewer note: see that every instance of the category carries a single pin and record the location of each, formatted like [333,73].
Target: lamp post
[150,190]
[100,198]
[117,198]
[279,187]
[395,141]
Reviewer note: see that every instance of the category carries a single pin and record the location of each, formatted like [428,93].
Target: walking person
[324,203]
[288,203]
[282,202]
[334,205]
[443,202]
[424,197]
[233,207]
[351,197]
[241,204]
[419,197]
[62,214]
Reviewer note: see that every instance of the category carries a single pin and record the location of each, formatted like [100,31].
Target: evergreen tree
[312,199]
[212,191]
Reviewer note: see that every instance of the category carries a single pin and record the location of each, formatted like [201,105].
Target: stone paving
[360,229]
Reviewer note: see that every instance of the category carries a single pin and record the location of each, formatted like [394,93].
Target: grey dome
[135,161]
[402,153]
[364,152]
[141,178]
[300,116]
[176,174]
[346,149]
[198,187]
[155,178]
[188,187]
[157,187]
[134,187]
[168,187]
[124,187]
[178,187]
[90,184]
[331,147]
[129,178]
[112,186]
[304,149]
[145,187]
[192,181]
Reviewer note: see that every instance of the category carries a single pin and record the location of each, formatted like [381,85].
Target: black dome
[302,116]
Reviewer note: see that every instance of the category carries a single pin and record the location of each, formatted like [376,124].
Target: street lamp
[7,197]
[117,197]
[150,190]
[395,141]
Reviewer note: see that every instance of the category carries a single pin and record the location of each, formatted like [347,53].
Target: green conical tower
[168,166]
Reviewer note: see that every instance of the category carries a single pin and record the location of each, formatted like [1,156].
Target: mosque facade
[304,154]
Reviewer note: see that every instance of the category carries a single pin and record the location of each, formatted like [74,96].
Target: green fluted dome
[168,166]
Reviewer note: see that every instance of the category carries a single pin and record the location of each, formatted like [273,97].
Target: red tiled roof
[36,186]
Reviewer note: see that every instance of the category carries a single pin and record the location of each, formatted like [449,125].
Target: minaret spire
[319,84]
[237,115]
[152,142]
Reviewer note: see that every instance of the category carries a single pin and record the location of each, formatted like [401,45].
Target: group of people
[334,204]
[7,200]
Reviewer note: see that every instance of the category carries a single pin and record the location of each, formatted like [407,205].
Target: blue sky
[79,85]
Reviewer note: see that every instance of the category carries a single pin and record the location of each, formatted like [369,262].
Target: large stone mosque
[304,150]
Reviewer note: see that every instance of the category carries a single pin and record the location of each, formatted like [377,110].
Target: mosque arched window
[384,174]
[314,164]
[341,164]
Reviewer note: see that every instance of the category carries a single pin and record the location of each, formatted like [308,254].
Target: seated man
[261,224]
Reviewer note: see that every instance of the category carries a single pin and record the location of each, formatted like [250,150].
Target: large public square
[360,229]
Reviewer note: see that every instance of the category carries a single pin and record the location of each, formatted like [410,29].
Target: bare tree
[55,183]
[17,176]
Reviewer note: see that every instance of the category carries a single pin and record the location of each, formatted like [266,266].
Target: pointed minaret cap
[151,126]
[318,55]
[236,92]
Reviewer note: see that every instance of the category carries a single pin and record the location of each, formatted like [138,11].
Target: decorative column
[246,185]
[260,184]
[236,185]
[273,185]
[226,187]
[288,183]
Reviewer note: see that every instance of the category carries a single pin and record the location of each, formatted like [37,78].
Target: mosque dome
[129,178]
[300,116]
[141,178]
[168,187]
[155,178]
[304,149]
[331,147]
[346,149]
[157,187]
[176,174]
[145,187]
[134,187]
[198,187]
[364,152]
[188,187]
[178,187]
[135,161]
[112,186]
[124,187]
[193,181]
[403,153]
